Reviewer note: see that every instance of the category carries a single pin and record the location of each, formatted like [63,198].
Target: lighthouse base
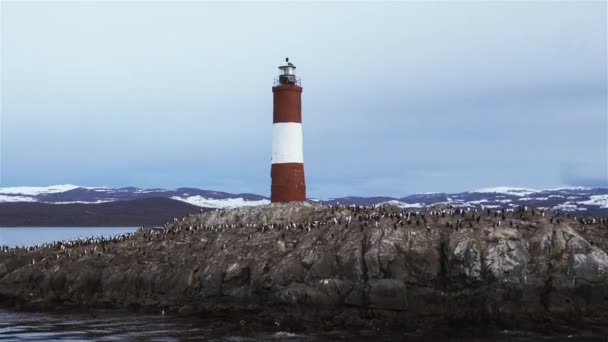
[288,184]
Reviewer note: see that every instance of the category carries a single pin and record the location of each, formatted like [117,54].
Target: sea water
[123,326]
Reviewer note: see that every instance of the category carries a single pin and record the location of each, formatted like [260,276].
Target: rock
[237,272]
[186,310]
[3,270]
[324,266]
[388,294]
[360,275]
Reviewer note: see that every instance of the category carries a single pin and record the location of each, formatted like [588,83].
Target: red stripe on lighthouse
[287,104]
[288,183]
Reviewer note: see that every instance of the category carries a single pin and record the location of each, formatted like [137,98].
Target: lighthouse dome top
[288,69]
[287,75]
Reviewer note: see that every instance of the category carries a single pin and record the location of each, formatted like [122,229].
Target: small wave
[239,339]
[285,334]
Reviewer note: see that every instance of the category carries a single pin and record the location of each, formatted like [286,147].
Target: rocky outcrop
[528,271]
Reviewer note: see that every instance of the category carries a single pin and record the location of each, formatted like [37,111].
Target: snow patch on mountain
[37,190]
[226,203]
[568,206]
[533,198]
[85,202]
[508,191]
[599,200]
[478,201]
[401,204]
[570,188]
[14,198]
[101,189]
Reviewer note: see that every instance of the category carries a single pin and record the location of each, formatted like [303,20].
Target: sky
[399,97]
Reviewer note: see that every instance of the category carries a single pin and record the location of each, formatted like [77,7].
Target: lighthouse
[287,171]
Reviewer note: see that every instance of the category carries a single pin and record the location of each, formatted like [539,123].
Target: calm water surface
[120,326]
[124,326]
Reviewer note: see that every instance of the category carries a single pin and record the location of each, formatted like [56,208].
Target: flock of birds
[97,244]
[361,217]
[366,216]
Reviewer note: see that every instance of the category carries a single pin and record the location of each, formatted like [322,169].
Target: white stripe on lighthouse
[287,143]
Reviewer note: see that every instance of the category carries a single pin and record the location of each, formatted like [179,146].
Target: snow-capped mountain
[65,194]
[578,199]
[582,200]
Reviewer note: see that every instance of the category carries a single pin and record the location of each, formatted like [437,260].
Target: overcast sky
[398,98]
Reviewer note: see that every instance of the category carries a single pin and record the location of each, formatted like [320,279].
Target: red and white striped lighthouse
[287,171]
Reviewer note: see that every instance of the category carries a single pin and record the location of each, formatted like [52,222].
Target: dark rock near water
[529,271]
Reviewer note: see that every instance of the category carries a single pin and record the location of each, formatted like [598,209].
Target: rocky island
[311,266]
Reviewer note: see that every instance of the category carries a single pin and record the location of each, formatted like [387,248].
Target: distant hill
[77,205]
[67,194]
[137,212]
